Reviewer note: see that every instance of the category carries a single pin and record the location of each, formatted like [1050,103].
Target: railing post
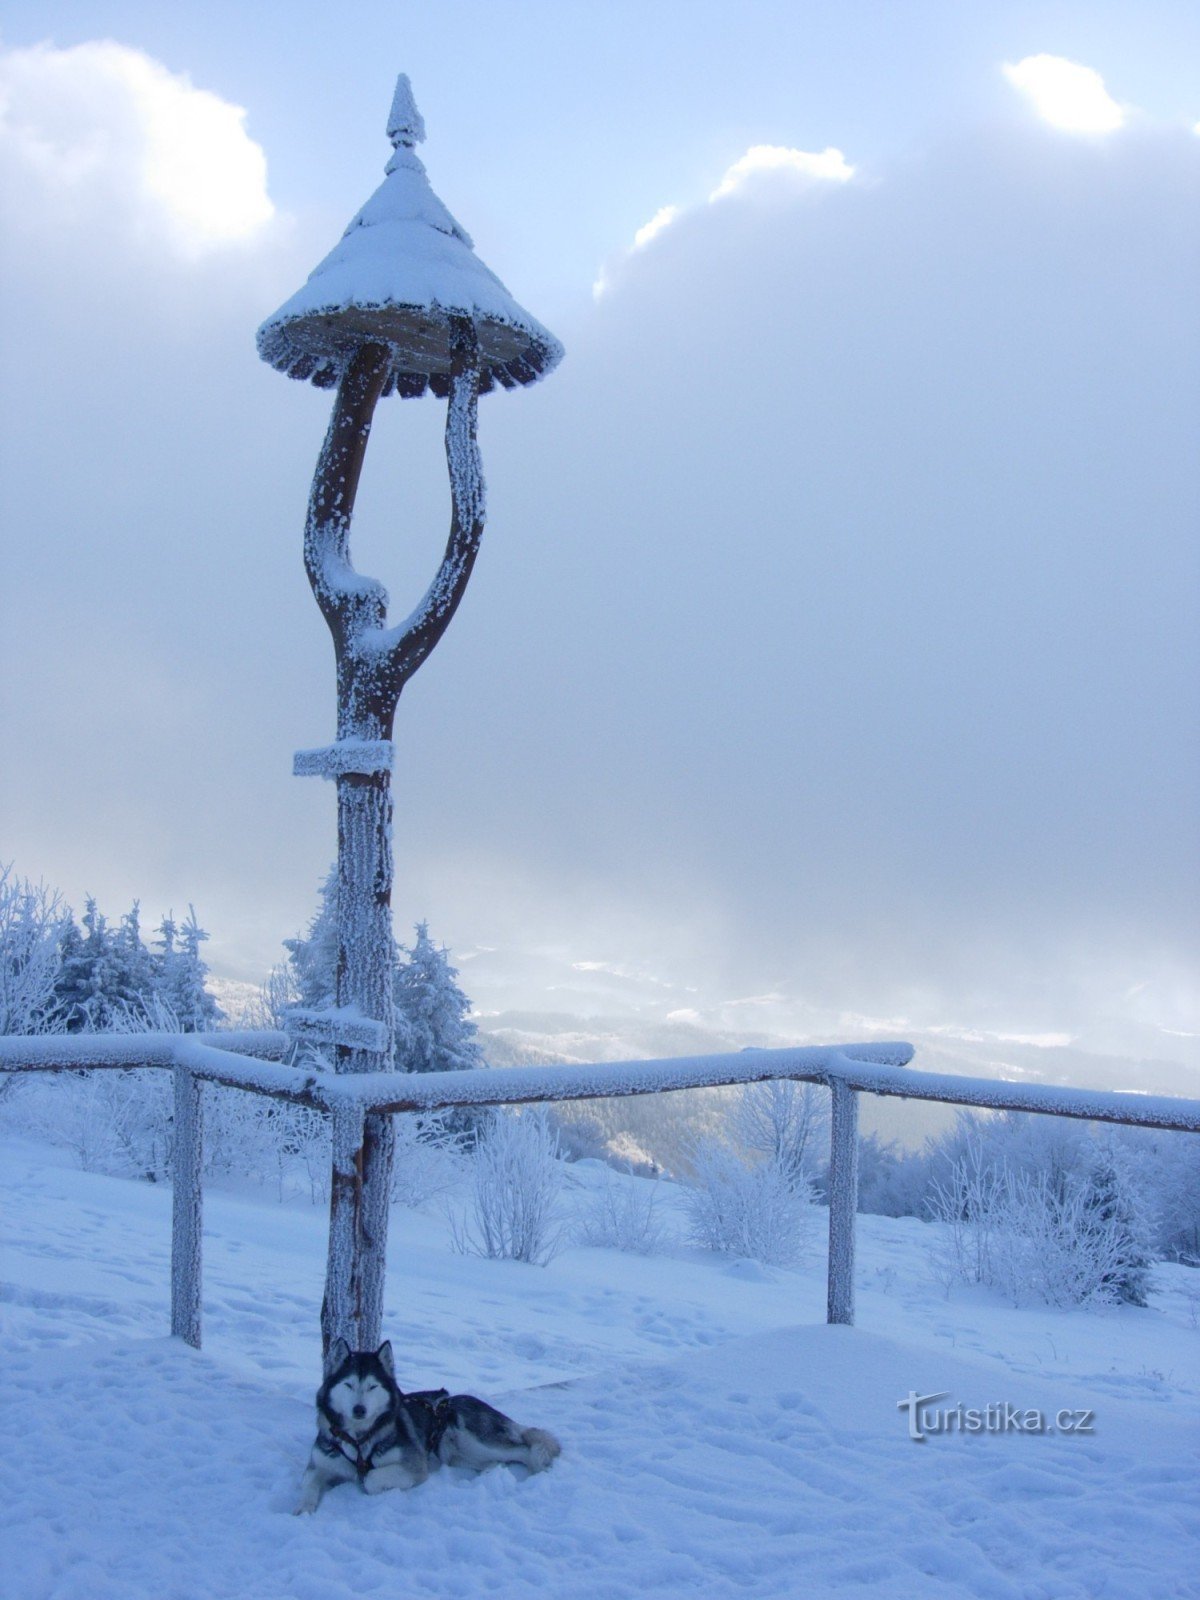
[186,1208]
[843,1201]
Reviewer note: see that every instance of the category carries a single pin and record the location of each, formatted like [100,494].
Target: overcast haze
[833,647]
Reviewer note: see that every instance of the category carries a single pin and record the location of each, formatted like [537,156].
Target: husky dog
[368,1430]
[458,1430]
[364,1433]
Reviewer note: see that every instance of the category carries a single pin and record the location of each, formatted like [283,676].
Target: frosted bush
[513,1204]
[787,1123]
[31,924]
[758,1212]
[427,1161]
[623,1214]
[1062,1237]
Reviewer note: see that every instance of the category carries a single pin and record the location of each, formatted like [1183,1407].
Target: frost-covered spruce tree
[312,958]
[101,975]
[435,1032]
[138,976]
[182,975]
[1117,1200]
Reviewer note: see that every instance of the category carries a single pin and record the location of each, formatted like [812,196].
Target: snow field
[719,1439]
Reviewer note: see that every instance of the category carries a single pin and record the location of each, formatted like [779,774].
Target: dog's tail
[542,1447]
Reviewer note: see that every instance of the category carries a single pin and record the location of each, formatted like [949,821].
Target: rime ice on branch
[400,305]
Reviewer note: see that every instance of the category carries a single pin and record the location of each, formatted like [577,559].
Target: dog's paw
[542,1447]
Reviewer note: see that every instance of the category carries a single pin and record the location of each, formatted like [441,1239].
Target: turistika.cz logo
[926,1418]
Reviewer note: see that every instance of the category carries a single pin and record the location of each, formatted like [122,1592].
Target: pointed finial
[406,125]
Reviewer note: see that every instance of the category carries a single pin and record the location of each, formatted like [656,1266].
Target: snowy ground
[719,1440]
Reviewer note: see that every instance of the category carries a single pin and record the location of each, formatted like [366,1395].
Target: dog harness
[344,1444]
[437,1403]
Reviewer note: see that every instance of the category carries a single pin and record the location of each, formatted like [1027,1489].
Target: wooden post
[843,1202]
[373,665]
[342,1307]
[187,1208]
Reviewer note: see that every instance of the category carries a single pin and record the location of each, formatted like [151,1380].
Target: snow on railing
[253,1061]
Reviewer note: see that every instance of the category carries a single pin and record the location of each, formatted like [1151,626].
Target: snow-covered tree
[434,1032]
[182,974]
[32,923]
[1069,1233]
[138,974]
[92,982]
[787,1123]
[312,957]
[1119,1203]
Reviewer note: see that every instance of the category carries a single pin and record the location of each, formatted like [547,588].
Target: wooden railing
[252,1061]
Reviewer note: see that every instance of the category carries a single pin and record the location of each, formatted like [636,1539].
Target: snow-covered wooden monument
[402,305]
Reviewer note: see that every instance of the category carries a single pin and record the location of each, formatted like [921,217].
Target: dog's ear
[385,1358]
[338,1352]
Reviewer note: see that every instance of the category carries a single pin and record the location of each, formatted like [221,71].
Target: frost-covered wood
[872,1068]
[75,1052]
[360,1104]
[187,1208]
[373,665]
[337,1027]
[300,1085]
[347,755]
[429,1091]
[342,1306]
[843,1201]
[401,304]
[401,275]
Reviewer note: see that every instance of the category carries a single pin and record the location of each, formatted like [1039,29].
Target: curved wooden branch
[347,600]
[402,649]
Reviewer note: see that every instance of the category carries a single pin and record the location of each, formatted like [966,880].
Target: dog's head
[359,1387]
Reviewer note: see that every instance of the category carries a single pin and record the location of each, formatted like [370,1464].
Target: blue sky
[834,636]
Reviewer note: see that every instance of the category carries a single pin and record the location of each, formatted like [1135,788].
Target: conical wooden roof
[402,269]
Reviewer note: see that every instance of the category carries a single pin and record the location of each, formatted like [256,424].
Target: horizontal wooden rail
[253,1061]
[80,1052]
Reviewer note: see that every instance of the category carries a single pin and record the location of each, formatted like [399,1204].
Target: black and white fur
[368,1431]
[364,1433]
[458,1430]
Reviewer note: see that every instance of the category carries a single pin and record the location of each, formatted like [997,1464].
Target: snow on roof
[403,268]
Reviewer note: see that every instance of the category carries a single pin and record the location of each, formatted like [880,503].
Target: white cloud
[1066,94]
[661,219]
[829,166]
[761,160]
[101,125]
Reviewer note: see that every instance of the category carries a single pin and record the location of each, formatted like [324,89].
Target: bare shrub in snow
[754,1211]
[427,1163]
[623,1214]
[516,1182]
[785,1122]
[277,996]
[1059,1236]
[31,924]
